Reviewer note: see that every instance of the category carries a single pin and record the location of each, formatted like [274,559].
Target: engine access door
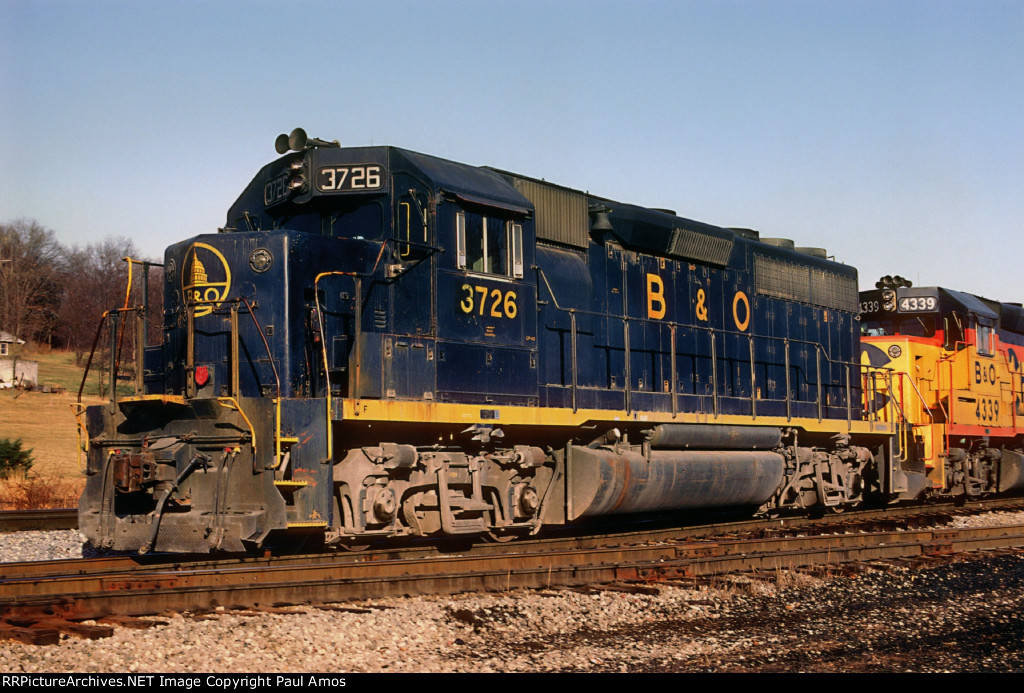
[409,349]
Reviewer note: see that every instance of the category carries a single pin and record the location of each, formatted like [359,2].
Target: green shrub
[14,460]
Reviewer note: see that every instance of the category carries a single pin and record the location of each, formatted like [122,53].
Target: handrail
[83,441]
[920,396]
[753,378]
[92,352]
[358,276]
[323,340]
[789,406]
[714,372]
[924,405]
[674,381]
[190,356]
[141,330]
[232,403]
[140,349]
[1013,389]
[277,380]
[95,343]
[849,399]
[712,332]
[117,361]
[896,403]
[817,366]
[78,408]
[627,370]
[235,387]
[190,350]
[572,344]
[949,396]
[396,241]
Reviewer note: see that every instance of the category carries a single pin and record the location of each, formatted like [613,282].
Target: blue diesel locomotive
[382,343]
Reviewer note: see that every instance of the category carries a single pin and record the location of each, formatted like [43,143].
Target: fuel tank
[1011,471]
[714,437]
[607,482]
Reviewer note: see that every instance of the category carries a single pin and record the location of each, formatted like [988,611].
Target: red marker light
[202,375]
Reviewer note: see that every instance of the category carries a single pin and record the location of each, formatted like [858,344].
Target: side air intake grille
[702,247]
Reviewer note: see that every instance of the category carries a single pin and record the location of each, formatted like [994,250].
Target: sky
[889,132]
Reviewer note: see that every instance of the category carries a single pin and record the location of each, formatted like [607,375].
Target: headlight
[889,300]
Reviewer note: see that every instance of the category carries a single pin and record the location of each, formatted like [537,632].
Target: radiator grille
[560,215]
[793,282]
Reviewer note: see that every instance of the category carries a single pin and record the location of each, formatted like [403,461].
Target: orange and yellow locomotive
[955,385]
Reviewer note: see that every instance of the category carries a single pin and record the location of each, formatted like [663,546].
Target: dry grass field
[46,425]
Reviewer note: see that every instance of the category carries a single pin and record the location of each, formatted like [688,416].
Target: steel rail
[156,589]
[41,520]
[563,540]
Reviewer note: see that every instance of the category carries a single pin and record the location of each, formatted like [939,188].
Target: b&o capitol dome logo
[205,278]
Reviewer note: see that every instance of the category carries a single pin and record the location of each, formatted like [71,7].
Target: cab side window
[411,225]
[489,245]
[953,326]
[983,335]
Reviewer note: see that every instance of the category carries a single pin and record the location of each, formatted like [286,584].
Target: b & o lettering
[656,305]
[702,310]
[741,298]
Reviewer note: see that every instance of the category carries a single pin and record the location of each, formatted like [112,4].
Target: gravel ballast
[952,615]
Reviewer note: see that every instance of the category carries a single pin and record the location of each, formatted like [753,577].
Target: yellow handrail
[232,403]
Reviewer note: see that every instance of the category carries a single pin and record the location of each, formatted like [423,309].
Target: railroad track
[48,520]
[51,594]
[67,518]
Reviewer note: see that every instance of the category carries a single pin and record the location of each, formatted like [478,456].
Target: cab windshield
[909,326]
[355,221]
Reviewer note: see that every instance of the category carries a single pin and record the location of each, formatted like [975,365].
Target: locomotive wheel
[497,536]
[353,545]
[342,512]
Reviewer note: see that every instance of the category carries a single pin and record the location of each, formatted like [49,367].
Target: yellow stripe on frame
[449,413]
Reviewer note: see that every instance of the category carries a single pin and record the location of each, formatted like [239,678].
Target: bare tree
[95,281]
[49,291]
[30,291]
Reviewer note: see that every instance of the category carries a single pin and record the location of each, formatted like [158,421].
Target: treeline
[56,295]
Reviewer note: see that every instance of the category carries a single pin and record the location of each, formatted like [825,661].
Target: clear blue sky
[889,132]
